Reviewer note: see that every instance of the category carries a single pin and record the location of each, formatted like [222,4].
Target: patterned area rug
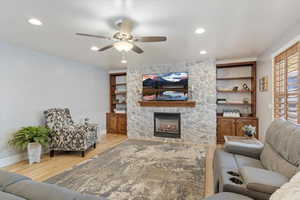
[141,170]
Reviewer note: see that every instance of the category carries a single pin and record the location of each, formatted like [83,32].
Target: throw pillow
[289,191]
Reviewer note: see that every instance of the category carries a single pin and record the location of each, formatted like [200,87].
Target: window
[286,84]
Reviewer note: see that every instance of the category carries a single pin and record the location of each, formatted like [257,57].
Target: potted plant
[249,130]
[32,138]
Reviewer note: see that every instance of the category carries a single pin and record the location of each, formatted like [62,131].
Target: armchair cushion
[262,180]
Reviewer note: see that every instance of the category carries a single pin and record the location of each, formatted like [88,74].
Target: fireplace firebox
[167,125]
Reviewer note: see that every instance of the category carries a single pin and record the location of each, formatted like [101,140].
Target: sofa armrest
[227,196]
[262,180]
[42,191]
[250,150]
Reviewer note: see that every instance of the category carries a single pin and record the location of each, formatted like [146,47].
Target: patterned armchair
[66,135]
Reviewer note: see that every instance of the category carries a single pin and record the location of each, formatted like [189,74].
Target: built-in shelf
[119,84]
[233,91]
[120,93]
[116,94]
[119,103]
[167,103]
[235,103]
[241,117]
[235,78]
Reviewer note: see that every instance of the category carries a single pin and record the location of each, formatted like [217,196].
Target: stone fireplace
[197,124]
[167,125]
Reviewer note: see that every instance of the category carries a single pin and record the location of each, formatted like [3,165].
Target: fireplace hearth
[167,125]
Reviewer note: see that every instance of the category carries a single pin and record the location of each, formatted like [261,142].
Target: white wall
[31,82]
[264,68]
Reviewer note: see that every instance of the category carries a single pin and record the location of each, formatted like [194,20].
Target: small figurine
[245,86]
[236,88]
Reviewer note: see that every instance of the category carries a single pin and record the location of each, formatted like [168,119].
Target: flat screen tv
[165,87]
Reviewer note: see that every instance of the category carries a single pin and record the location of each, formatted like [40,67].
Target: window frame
[282,71]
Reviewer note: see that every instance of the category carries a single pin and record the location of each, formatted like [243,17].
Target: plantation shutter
[286,84]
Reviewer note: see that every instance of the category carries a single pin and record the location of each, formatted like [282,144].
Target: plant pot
[34,151]
[249,133]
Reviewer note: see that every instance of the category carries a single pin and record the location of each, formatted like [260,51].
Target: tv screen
[165,87]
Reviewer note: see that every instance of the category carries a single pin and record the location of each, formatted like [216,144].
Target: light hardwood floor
[60,162]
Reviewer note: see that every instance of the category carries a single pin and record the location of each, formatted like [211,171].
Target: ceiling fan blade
[126,26]
[96,36]
[106,47]
[151,39]
[137,49]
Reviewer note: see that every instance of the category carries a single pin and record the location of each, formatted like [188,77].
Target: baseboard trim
[10,160]
[4,162]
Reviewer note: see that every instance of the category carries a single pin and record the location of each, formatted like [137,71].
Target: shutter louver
[286,85]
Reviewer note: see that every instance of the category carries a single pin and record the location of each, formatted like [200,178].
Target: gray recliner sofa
[258,176]
[18,187]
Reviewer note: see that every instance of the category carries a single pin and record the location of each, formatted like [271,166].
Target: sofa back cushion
[271,160]
[282,147]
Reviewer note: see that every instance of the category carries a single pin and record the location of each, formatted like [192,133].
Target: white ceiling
[235,28]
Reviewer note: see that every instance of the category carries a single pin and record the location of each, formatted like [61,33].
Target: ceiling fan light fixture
[200,30]
[123,46]
[203,52]
[94,48]
[35,22]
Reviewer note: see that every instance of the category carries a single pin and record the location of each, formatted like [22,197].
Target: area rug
[141,170]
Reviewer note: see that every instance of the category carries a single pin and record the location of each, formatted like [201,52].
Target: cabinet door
[112,123]
[240,123]
[122,124]
[226,128]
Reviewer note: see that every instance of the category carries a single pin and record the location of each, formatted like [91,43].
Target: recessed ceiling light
[35,22]
[123,61]
[94,48]
[199,30]
[203,52]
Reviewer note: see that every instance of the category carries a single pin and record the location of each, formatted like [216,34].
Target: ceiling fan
[124,40]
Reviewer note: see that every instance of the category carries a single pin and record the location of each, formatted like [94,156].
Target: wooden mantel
[167,103]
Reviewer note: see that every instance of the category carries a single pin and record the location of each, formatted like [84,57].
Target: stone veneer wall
[198,124]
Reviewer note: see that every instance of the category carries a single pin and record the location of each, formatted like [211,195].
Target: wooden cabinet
[227,126]
[116,123]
